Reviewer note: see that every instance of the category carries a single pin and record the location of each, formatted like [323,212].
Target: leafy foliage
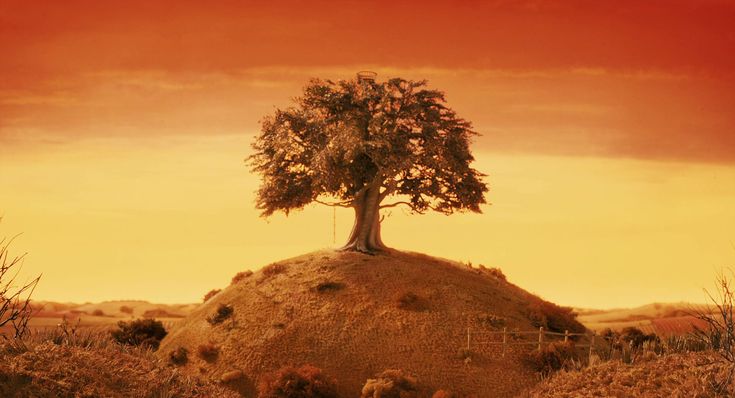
[343,136]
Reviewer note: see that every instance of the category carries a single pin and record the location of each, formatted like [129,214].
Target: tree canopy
[354,143]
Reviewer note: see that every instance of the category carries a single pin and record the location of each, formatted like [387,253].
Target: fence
[484,337]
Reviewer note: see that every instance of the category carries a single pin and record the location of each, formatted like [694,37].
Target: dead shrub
[15,298]
[241,276]
[326,287]
[493,272]
[140,332]
[306,381]
[410,301]
[552,357]
[491,320]
[179,356]
[98,312]
[223,312]
[208,352]
[210,294]
[391,383]
[126,310]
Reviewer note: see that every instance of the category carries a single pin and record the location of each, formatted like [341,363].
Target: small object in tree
[355,143]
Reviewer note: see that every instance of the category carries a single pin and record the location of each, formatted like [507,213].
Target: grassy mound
[354,316]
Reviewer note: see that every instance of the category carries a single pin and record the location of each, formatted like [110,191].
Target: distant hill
[661,318]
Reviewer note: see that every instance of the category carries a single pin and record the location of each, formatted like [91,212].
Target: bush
[494,272]
[325,287]
[635,338]
[410,301]
[140,332]
[554,356]
[210,294]
[306,381]
[126,310]
[391,383]
[98,312]
[208,352]
[224,311]
[554,318]
[272,270]
[179,356]
[241,275]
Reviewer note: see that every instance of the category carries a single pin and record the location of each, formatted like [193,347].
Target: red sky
[608,134]
[620,78]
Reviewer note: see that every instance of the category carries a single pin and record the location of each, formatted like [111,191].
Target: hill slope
[355,315]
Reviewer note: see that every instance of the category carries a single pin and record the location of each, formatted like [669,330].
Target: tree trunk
[365,235]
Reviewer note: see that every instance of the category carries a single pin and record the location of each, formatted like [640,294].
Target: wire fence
[506,338]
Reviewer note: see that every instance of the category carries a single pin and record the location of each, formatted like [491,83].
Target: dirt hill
[355,315]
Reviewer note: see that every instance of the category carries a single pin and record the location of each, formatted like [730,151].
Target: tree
[354,143]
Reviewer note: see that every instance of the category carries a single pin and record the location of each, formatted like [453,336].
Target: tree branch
[337,204]
[397,204]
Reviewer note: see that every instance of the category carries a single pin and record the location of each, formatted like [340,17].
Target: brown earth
[687,375]
[355,315]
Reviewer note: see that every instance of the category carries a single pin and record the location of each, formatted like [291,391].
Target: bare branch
[397,204]
[335,204]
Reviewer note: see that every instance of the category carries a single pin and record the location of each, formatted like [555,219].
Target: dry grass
[87,363]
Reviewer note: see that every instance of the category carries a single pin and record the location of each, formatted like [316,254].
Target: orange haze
[608,133]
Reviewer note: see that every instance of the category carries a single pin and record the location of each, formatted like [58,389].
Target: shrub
[223,312]
[552,357]
[635,338]
[554,318]
[208,352]
[272,270]
[231,376]
[15,298]
[410,301]
[241,275]
[160,313]
[98,312]
[325,287]
[494,272]
[126,310]
[140,332]
[179,356]
[210,294]
[306,381]
[491,320]
[391,383]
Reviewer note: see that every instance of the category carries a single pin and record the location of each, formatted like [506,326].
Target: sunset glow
[608,137]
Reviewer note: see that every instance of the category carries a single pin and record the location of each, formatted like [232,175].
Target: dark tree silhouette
[355,143]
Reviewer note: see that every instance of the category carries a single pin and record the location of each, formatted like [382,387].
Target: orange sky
[608,136]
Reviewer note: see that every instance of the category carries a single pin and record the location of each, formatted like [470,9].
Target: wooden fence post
[540,337]
[592,346]
[505,340]
[566,336]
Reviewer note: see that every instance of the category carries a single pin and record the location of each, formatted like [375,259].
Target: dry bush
[208,352]
[329,286]
[140,332]
[552,357]
[410,301]
[443,394]
[98,312]
[210,294]
[179,356]
[493,272]
[720,331]
[272,270]
[391,383]
[223,312]
[126,310]
[15,300]
[554,318]
[491,320]
[241,276]
[306,381]
[636,338]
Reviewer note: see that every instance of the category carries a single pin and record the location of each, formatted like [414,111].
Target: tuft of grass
[223,312]
[272,270]
[210,294]
[552,357]
[208,352]
[241,276]
[179,356]
[391,383]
